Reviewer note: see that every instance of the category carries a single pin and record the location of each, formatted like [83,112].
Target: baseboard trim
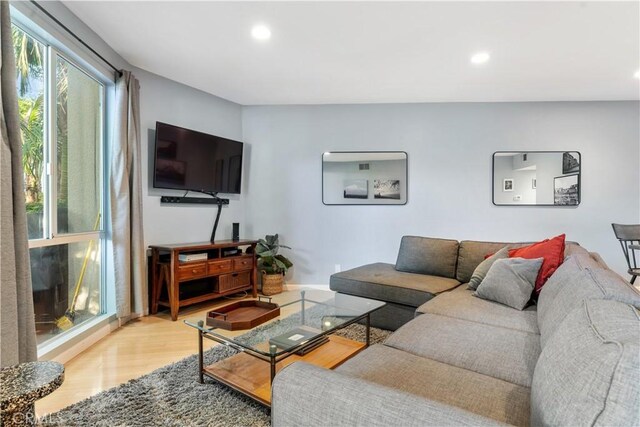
[81,341]
[293,287]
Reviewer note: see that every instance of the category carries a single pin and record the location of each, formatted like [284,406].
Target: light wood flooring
[137,348]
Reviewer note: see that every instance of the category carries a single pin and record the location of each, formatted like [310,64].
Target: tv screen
[190,160]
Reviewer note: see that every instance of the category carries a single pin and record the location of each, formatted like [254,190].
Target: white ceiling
[375,52]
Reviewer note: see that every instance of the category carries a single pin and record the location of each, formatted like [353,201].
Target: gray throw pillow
[510,281]
[483,268]
[427,255]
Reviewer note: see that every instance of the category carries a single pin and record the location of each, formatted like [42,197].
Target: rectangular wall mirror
[364,178]
[536,178]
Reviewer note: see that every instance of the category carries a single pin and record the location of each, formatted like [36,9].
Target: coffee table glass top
[305,316]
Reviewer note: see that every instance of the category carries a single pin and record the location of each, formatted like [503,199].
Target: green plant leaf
[260,249]
[272,240]
[281,265]
[287,263]
[267,252]
[267,260]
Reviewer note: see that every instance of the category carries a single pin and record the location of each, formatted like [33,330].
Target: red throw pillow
[552,250]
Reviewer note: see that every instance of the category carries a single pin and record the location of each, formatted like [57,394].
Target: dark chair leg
[633,279]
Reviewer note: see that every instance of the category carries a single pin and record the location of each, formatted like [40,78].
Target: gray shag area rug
[171,396]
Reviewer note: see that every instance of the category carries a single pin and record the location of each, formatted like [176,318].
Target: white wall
[449,148]
[167,101]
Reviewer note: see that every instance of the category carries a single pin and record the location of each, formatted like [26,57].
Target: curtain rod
[46,12]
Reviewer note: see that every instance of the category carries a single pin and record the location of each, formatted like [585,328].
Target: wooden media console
[176,284]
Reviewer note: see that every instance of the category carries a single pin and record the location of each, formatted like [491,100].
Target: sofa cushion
[588,371]
[308,395]
[383,282]
[552,250]
[483,268]
[480,394]
[461,304]
[472,253]
[489,350]
[572,283]
[510,282]
[426,255]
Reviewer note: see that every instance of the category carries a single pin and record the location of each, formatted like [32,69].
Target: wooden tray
[242,314]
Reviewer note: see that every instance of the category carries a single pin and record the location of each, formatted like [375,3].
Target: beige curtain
[126,202]
[17,323]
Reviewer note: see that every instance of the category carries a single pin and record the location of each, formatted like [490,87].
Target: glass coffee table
[304,331]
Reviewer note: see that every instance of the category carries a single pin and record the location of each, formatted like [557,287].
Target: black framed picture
[356,189]
[386,189]
[570,163]
[566,190]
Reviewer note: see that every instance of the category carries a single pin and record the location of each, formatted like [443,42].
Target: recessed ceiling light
[261,32]
[480,58]
[637,74]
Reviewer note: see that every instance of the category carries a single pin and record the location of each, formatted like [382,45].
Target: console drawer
[217,267]
[243,263]
[192,271]
[227,282]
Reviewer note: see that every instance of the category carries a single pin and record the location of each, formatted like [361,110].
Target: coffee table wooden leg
[273,368]
[368,328]
[272,359]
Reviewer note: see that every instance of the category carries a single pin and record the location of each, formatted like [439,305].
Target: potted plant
[272,264]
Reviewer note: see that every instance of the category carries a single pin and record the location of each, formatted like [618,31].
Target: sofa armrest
[596,256]
[304,394]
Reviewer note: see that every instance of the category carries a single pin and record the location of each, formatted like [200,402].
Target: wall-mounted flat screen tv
[195,161]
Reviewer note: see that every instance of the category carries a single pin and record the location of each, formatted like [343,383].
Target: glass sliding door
[62,122]
[78,149]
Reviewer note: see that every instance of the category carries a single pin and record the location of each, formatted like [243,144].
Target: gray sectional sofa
[572,359]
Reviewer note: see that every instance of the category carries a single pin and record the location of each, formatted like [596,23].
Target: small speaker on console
[236,231]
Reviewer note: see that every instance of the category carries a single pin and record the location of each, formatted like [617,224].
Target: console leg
[154,281]
[174,298]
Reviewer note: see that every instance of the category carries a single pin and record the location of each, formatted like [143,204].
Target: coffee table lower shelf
[251,376]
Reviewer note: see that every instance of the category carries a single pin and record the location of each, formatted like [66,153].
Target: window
[62,121]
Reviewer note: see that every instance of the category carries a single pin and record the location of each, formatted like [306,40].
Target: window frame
[53,51]
[52,157]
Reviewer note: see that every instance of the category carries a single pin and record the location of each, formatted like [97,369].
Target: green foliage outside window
[30,56]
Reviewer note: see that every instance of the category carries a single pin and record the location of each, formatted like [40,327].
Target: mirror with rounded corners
[536,178]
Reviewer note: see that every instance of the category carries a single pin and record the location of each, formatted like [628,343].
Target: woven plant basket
[272,283]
